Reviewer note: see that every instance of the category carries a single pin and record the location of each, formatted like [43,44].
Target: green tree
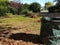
[58,2]
[48,4]
[25,6]
[35,7]
[3,7]
[55,8]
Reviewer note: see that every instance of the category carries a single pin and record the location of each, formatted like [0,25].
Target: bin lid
[55,19]
[52,19]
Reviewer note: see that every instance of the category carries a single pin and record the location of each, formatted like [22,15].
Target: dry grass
[19,24]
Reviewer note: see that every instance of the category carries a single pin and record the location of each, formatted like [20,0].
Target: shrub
[29,13]
[8,15]
[12,10]
[25,11]
[3,10]
[3,7]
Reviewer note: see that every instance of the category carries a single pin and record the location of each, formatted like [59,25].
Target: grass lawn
[23,28]
[21,22]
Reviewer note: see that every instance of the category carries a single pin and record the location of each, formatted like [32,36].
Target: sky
[42,2]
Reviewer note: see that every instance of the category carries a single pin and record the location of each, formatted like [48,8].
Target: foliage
[3,0]
[29,13]
[9,15]
[48,4]
[25,6]
[3,7]
[54,9]
[25,11]
[35,7]
[57,2]
[16,6]
[12,10]
[3,10]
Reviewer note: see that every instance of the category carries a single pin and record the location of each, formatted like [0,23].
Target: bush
[8,15]
[29,13]
[54,9]
[12,10]
[3,7]
[25,11]
[3,10]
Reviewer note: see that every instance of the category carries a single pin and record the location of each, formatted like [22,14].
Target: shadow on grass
[26,37]
[34,38]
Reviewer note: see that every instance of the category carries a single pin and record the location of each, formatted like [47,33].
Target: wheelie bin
[50,31]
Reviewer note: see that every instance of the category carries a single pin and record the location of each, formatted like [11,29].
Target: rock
[34,16]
